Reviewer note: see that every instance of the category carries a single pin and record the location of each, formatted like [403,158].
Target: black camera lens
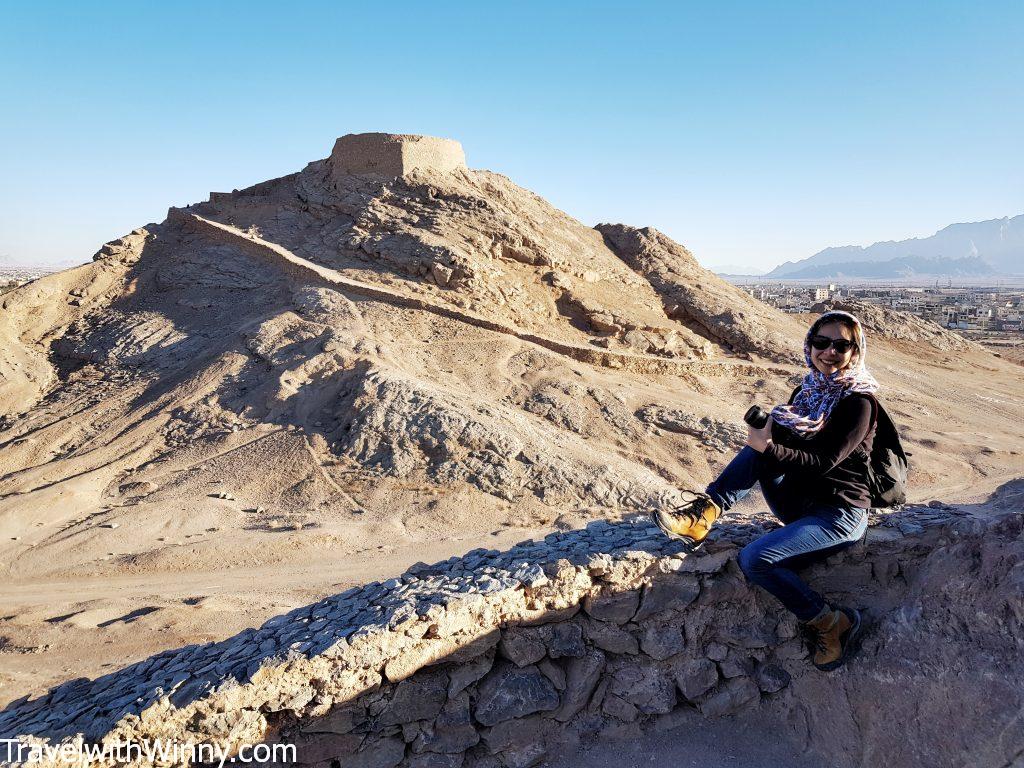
[756,417]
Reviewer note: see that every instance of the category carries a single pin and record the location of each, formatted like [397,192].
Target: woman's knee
[752,561]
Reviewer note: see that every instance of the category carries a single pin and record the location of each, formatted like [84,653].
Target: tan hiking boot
[691,522]
[831,635]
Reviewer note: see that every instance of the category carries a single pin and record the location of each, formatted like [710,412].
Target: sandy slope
[318,381]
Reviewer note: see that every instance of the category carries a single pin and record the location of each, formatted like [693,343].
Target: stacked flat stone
[482,659]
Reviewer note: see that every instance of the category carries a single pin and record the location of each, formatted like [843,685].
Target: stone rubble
[717,435]
[498,654]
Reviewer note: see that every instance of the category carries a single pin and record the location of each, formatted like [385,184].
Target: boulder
[553,672]
[418,698]
[717,651]
[731,697]
[736,665]
[660,642]
[509,692]
[452,732]
[463,675]
[696,677]
[611,638]
[667,593]
[581,678]
[340,720]
[647,688]
[378,753]
[613,607]
[620,708]
[434,760]
[522,646]
[523,757]
[516,733]
[771,678]
[711,563]
[566,641]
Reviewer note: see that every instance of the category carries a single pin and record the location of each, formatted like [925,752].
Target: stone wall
[389,154]
[493,658]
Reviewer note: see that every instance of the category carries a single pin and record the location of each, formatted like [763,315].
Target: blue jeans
[812,530]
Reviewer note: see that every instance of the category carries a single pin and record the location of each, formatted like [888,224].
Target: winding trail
[305,269]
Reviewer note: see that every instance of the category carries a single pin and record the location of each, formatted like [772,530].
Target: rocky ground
[313,383]
[509,657]
[1007,346]
[692,742]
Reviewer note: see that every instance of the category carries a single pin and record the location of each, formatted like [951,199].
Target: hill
[383,358]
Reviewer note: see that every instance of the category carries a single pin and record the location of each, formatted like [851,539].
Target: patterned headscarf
[820,392]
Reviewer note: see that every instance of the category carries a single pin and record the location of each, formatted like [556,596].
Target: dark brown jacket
[832,464]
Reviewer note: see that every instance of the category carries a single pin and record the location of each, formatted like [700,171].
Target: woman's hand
[758,439]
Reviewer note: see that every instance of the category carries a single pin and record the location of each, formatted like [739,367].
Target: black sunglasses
[840,345]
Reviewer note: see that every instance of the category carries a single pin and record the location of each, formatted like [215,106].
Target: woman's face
[829,361]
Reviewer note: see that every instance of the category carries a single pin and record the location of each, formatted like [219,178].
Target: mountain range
[984,248]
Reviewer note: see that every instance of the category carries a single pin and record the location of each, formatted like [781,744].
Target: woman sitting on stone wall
[811,460]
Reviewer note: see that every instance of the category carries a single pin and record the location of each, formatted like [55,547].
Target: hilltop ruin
[389,155]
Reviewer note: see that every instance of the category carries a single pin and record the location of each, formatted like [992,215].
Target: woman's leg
[786,503]
[771,560]
[746,469]
[736,479]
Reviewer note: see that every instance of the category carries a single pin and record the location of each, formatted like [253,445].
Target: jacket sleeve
[845,429]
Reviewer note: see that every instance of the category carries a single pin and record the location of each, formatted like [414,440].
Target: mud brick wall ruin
[495,658]
[386,154]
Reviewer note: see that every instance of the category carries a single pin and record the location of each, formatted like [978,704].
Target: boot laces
[692,510]
[687,514]
[813,639]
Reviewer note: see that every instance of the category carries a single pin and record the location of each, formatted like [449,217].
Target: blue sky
[751,132]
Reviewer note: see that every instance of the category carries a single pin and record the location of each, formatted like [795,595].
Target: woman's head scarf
[820,392]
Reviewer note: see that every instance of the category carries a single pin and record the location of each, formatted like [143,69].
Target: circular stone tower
[394,154]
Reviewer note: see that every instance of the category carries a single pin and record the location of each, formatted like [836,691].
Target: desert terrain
[315,382]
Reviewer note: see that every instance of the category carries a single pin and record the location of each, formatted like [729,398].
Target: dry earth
[317,381]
